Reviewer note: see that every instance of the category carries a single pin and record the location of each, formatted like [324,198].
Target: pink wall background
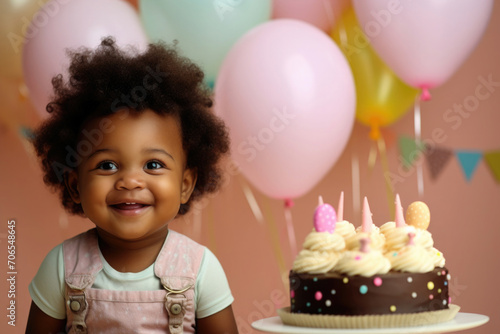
[464,215]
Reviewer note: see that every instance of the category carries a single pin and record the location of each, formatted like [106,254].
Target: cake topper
[400,219]
[325,217]
[367,223]
[418,215]
[411,239]
[364,245]
[340,209]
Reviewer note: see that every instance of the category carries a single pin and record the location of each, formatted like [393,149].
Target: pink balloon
[321,13]
[287,94]
[424,42]
[61,25]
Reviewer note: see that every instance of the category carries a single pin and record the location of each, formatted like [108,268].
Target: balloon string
[329,12]
[385,170]
[372,156]
[274,234]
[356,186]
[418,138]
[252,202]
[290,229]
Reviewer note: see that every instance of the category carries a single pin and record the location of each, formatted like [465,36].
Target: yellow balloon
[15,16]
[382,98]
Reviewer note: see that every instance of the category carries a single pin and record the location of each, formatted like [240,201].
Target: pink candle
[400,219]
[366,225]
[340,209]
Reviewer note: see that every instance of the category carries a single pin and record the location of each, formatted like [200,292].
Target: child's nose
[129,180]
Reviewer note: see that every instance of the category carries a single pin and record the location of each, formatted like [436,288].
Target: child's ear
[71,182]
[188,184]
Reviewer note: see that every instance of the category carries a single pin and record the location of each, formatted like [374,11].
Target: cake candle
[340,209]
[367,223]
[400,219]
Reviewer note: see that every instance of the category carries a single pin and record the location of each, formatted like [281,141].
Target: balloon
[424,42]
[382,98]
[321,13]
[205,30]
[15,17]
[287,94]
[64,25]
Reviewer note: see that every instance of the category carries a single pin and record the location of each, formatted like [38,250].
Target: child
[131,142]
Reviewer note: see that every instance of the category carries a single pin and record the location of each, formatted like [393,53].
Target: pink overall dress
[170,310]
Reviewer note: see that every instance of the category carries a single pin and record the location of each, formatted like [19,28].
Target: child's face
[134,180]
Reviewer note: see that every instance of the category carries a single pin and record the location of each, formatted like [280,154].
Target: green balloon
[204,29]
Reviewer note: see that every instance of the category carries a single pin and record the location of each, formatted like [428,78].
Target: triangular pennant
[437,158]
[410,150]
[468,161]
[492,159]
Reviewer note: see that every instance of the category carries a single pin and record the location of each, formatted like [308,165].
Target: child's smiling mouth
[129,208]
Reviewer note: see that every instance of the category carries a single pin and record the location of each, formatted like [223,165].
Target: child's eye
[107,165]
[154,164]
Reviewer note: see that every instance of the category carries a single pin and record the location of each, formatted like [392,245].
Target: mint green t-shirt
[211,294]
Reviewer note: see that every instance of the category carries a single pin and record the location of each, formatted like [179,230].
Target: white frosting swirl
[439,260]
[414,259]
[345,229]
[397,237]
[321,251]
[315,262]
[377,240]
[364,264]
[324,242]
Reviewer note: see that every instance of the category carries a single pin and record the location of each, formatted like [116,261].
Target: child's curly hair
[108,79]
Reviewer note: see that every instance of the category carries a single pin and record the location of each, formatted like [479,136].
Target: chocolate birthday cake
[390,276]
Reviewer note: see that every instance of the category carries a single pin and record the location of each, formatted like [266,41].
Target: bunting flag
[410,150]
[437,158]
[468,161]
[492,159]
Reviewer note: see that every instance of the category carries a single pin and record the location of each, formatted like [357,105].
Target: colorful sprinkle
[308,304]
[357,257]
[413,295]
[444,302]
[377,281]
[439,273]
[333,292]
[431,297]
[409,279]
[315,279]
[292,294]
[449,300]
[448,277]
[439,290]
[319,310]
[318,295]
[430,285]
[363,289]
[443,272]
[328,303]
[445,283]
[345,280]
[305,288]
[392,308]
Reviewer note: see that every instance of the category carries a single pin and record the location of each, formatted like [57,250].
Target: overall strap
[82,263]
[177,267]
